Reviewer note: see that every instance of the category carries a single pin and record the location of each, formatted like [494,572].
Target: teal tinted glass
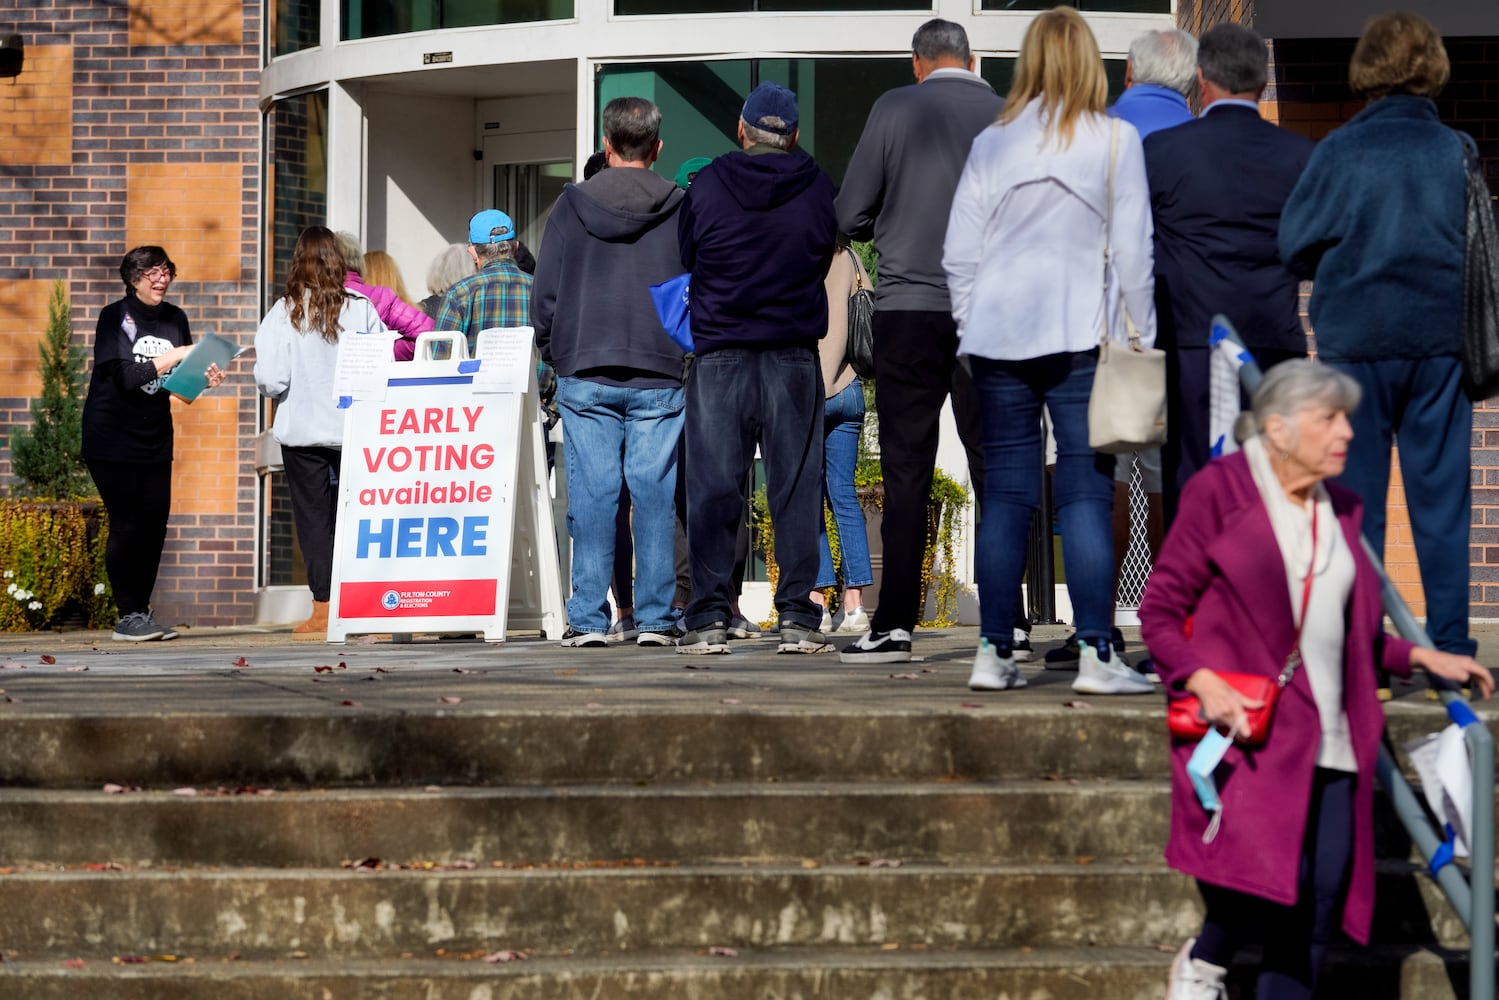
[373,18]
[294,25]
[1095,6]
[1000,72]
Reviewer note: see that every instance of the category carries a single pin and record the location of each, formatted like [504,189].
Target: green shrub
[49,564]
[47,457]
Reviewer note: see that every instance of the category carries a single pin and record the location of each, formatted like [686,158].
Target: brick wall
[136,122]
[1309,94]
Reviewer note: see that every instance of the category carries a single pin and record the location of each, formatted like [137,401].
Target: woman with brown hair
[296,349]
[1047,188]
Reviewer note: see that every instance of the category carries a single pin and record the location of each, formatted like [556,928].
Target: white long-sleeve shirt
[1024,252]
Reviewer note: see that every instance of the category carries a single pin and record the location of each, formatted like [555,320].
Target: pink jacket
[406,319]
[1217,598]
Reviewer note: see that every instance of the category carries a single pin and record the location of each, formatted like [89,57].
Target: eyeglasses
[157,274]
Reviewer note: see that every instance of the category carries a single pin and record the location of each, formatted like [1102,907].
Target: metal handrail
[1471,897]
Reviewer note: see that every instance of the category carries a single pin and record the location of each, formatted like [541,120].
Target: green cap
[688,170]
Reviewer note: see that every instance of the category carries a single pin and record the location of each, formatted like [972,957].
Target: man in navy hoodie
[619,373]
[757,233]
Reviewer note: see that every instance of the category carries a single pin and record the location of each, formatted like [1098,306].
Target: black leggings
[312,482]
[1295,937]
[138,498]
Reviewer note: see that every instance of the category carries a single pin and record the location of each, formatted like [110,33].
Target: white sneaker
[1095,676]
[1194,979]
[827,622]
[855,620]
[992,672]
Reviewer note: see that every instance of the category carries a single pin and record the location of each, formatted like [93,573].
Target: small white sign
[359,372]
[506,356]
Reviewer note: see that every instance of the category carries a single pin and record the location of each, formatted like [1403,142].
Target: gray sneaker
[800,639]
[138,627]
[712,639]
[741,627]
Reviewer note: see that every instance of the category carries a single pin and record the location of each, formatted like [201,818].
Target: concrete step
[272,914]
[1111,738]
[950,822]
[823,974]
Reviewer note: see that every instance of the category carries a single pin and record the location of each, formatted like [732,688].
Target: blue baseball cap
[767,102]
[481,228]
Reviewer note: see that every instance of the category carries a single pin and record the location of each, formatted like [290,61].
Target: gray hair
[450,266]
[350,251]
[503,250]
[938,39]
[1165,58]
[762,137]
[1292,386]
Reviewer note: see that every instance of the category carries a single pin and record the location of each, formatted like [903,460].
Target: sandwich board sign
[444,517]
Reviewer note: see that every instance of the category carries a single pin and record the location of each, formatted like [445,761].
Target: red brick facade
[136,123]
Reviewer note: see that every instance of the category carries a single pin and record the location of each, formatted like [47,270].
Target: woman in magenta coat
[1262,543]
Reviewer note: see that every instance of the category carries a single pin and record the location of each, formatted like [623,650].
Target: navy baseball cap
[481,226]
[771,101]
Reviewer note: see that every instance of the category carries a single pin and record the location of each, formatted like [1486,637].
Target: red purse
[1184,717]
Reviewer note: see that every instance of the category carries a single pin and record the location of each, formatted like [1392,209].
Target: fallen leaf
[350,704]
[506,956]
[1086,860]
[448,699]
[342,665]
[464,670]
[322,670]
[878,862]
[567,673]
[296,954]
[889,946]
[74,963]
[379,670]
[1076,704]
[240,662]
[129,960]
[971,704]
[113,789]
[48,658]
[719,951]
[809,863]
[185,792]
[75,670]
[106,866]
[905,677]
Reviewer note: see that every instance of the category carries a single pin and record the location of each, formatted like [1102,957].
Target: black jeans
[1295,937]
[138,498]
[916,367]
[312,481]
[735,398]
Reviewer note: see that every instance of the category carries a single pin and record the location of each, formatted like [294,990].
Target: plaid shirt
[499,295]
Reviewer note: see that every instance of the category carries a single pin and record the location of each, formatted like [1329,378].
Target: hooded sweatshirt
[757,233]
[607,241]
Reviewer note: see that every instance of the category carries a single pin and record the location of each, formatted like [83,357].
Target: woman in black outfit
[127,431]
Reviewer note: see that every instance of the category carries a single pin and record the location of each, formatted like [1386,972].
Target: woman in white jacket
[296,349]
[1025,263]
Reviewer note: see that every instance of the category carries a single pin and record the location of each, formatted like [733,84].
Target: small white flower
[23,595]
[98,589]
[11,589]
[10,574]
[34,606]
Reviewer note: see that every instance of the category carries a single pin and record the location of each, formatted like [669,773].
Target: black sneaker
[138,627]
[879,647]
[1064,657]
[573,638]
[800,639]
[1021,645]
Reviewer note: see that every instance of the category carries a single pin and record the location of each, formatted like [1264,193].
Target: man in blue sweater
[757,233]
[619,372]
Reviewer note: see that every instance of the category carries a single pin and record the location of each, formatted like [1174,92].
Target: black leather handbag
[1480,290]
[860,325]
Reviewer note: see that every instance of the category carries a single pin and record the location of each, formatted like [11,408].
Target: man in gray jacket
[899,188]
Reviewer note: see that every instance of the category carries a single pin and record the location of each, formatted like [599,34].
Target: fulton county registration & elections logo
[390,600]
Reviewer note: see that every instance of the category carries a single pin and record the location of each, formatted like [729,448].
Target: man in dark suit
[1217,187]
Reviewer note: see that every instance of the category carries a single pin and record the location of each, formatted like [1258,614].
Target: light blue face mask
[1200,767]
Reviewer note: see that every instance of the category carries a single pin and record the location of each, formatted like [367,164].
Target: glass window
[373,18]
[1095,6]
[700,102]
[294,25]
[625,8]
[1000,72]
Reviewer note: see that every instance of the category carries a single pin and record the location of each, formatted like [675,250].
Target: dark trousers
[138,498]
[1420,402]
[916,367]
[1189,447]
[1295,938]
[312,482]
[735,398]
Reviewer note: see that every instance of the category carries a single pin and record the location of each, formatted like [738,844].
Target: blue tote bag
[672,307]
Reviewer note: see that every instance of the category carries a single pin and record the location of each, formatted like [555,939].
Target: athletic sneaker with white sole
[741,627]
[1194,979]
[1107,674]
[708,640]
[572,638]
[893,646]
[994,669]
[826,625]
[656,639]
[623,630]
[138,626]
[855,621]
[798,639]
[1022,645]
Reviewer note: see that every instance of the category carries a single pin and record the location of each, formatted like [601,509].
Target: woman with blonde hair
[1047,190]
[380,268]
[296,348]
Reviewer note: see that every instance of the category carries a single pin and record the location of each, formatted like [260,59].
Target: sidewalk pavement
[258,670]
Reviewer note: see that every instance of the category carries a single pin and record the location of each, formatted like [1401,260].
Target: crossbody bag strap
[854,259]
[1293,659]
[1108,230]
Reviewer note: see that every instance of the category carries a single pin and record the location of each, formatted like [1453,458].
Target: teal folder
[188,380]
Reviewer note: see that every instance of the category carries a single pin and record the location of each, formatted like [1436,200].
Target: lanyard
[1293,659]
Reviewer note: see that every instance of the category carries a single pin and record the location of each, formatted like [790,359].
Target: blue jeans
[1420,401]
[735,398]
[617,435]
[842,425]
[1011,394]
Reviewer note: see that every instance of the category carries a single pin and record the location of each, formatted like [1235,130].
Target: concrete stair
[729,853]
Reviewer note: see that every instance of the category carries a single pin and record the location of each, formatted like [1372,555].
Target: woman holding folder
[127,431]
